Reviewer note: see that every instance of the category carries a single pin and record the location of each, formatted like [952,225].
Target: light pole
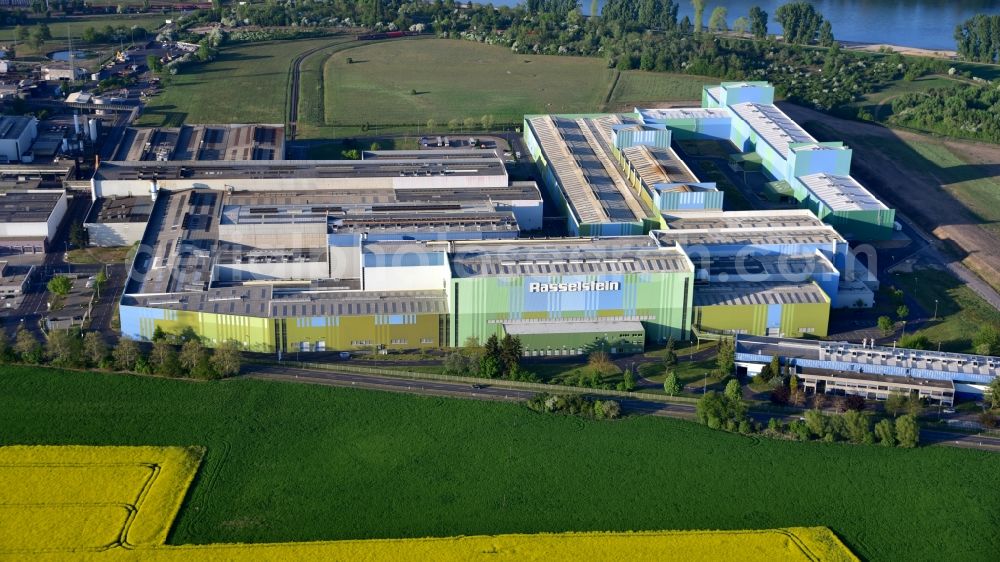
[935,309]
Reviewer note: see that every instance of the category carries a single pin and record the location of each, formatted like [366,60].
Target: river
[926,24]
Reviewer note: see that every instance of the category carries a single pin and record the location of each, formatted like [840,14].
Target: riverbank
[909,51]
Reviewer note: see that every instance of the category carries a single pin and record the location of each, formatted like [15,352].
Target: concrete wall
[115,234]
[275,236]
[270,271]
[432,277]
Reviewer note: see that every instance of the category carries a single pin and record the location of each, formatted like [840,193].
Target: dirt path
[919,195]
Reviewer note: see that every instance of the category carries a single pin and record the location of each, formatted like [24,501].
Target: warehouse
[581,174]
[818,172]
[454,169]
[541,289]
[871,371]
[17,133]
[118,221]
[614,174]
[772,234]
[202,142]
[29,219]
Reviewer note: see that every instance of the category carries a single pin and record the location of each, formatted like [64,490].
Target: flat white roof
[683,113]
[776,128]
[841,193]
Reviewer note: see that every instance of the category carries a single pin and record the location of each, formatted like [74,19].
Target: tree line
[728,411]
[498,358]
[967,111]
[978,38]
[172,356]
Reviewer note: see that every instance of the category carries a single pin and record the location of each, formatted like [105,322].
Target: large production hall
[433,248]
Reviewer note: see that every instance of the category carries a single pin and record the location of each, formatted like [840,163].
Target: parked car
[345,355]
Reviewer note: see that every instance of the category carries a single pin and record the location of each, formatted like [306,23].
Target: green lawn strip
[400,85]
[247,83]
[290,462]
[961,312]
[636,87]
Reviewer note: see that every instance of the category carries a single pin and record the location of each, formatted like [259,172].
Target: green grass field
[961,311]
[462,79]
[636,87]
[245,84]
[289,462]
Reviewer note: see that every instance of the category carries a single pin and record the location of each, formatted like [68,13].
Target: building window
[426,340]
[399,342]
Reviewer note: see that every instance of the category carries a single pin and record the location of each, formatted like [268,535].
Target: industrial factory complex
[434,248]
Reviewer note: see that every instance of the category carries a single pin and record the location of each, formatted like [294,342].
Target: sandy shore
[912,51]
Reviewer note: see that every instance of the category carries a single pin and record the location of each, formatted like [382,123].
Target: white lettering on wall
[574,287]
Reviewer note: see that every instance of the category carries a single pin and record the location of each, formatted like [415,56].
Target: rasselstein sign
[573,287]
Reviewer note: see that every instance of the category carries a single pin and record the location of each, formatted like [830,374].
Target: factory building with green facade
[616,174]
[424,249]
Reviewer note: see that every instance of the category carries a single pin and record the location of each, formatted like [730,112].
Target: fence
[502,383]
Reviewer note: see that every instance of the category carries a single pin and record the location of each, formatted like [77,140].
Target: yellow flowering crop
[117,503]
[91,497]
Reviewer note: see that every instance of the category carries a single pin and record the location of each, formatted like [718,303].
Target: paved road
[104,310]
[497,392]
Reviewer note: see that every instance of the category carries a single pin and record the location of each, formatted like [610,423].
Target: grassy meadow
[245,84]
[288,462]
[406,83]
[451,80]
[961,312]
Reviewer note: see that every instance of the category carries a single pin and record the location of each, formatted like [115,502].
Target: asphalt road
[498,393]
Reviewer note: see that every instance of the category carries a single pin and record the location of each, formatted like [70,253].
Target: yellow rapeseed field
[91,498]
[117,503]
[779,545]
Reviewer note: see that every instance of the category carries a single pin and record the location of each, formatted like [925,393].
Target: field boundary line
[611,90]
[501,383]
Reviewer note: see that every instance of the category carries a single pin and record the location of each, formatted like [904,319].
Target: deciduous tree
[699,14]
[726,358]
[226,360]
[163,359]
[717,21]
[907,431]
[800,22]
[27,346]
[886,433]
[60,285]
[734,390]
[62,350]
[758,22]
[671,385]
[192,354]
[95,350]
[126,354]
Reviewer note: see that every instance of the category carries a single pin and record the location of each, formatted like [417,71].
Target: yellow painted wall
[347,332]
[752,319]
